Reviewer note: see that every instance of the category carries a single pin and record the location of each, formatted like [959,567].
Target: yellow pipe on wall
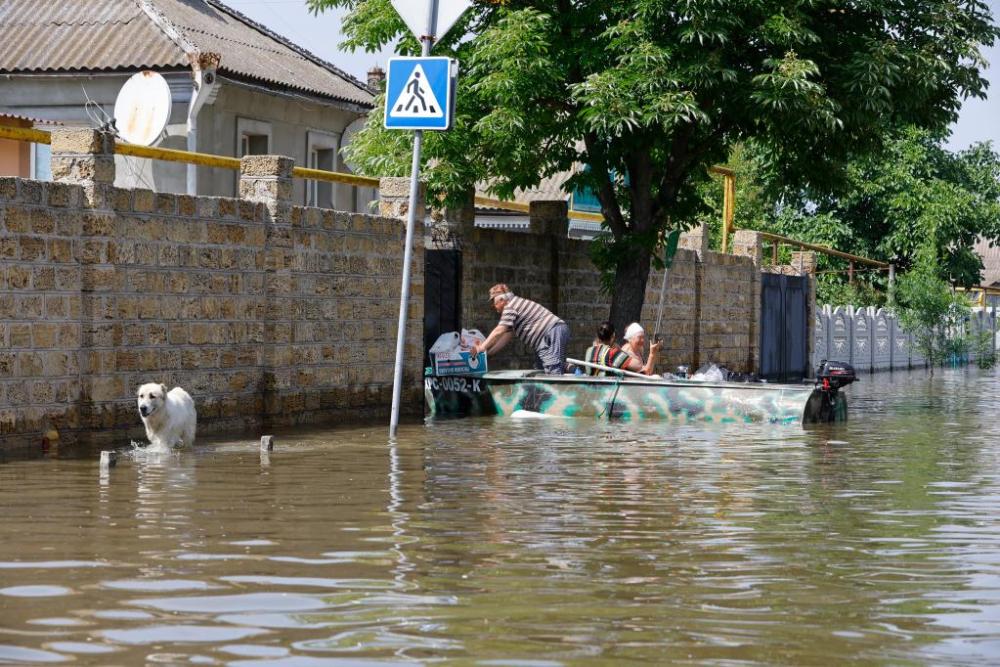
[186,157]
[172,155]
[25,134]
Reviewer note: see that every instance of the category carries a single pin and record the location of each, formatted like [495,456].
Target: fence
[871,339]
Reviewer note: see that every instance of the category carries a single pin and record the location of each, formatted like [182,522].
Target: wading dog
[169,417]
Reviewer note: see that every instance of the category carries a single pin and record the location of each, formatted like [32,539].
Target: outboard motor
[835,375]
[827,404]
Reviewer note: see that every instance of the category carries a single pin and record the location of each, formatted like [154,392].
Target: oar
[670,249]
[609,369]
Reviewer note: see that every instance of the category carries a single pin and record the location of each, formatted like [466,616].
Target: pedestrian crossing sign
[419,94]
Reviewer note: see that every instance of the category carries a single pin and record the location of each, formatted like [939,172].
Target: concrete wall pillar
[394,198]
[748,243]
[805,264]
[453,223]
[86,158]
[83,156]
[695,239]
[268,179]
[549,218]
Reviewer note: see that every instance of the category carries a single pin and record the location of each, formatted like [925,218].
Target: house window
[253,137]
[254,144]
[321,151]
[41,162]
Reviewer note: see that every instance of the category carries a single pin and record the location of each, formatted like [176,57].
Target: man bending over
[533,323]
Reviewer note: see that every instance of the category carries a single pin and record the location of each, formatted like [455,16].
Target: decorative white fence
[871,340]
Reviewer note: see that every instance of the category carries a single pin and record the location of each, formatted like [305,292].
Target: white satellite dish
[142,109]
[347,137]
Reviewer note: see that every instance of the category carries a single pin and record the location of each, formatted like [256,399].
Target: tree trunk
[630,290]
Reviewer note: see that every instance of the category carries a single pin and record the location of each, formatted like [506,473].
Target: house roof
[17,120]
[110,35]
[991,262]
[549,189]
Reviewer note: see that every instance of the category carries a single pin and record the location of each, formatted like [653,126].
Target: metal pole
[728,208]
[411,223]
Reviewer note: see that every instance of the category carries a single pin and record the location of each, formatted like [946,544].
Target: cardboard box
[460,363]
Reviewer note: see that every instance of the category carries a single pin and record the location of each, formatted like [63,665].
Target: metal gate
[784,332]
[442,295]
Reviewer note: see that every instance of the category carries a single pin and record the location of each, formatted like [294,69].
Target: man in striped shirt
[533,323]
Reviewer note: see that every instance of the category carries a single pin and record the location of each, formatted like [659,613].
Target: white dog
[169,417]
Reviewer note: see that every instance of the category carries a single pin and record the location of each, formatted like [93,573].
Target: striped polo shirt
[529,320]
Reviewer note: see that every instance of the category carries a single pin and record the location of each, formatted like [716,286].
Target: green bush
[932,313]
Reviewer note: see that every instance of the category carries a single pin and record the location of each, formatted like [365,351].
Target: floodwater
[523,543]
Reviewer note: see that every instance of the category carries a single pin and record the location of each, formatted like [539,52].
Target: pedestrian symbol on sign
[419,93]
[417,99]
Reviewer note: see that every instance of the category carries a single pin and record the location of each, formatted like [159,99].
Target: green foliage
[657,91]
[912,194]
[927,308]
[986,354]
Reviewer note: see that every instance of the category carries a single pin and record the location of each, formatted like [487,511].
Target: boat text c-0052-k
[640,399]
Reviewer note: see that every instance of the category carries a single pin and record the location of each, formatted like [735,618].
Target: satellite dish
[347,137]
[143,108]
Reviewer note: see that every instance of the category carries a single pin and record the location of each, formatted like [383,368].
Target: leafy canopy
[649,93]
[914,196]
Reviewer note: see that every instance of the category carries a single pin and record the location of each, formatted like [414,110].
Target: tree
[915,194]
[910,197]
[929,311]
[649,93]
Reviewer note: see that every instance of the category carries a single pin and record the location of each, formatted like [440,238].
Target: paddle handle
[609,369]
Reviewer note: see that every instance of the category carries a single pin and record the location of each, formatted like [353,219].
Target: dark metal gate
[784,332]
[442,295]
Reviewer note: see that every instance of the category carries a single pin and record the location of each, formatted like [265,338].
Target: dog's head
[150,398]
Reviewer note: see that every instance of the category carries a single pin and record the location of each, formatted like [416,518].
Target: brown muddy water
[497,542]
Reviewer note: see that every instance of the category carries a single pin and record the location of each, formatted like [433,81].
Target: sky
[979,119]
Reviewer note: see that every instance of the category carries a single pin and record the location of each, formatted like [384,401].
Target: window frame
[321,140]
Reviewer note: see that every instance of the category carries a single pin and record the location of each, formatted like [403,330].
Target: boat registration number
[453,384]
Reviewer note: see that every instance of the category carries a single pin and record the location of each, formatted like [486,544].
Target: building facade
[237,88]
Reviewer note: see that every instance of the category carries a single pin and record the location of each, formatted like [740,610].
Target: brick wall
[710,307]
[267,313]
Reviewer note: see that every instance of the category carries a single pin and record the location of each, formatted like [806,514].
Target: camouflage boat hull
[628,399]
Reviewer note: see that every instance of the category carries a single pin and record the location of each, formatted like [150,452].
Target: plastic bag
[470,337]
[446,344]
[709,373]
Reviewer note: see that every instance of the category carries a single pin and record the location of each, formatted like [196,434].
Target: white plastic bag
[471,337]
[446,344]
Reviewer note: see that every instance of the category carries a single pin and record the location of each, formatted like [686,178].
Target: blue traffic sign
[419,94]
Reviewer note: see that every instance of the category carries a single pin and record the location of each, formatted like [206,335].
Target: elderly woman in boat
[533,323]
[605,352]
[635,344]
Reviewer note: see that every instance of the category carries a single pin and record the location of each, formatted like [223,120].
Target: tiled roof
[549,189]
[81,35]
[991,262]
[18,119]
[96,35]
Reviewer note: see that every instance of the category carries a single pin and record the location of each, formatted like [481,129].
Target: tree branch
[606,188]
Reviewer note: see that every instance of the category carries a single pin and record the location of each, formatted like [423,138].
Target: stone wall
[268,314]
[870,339]
[710,307]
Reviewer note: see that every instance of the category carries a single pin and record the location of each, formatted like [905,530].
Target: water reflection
[541,542]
